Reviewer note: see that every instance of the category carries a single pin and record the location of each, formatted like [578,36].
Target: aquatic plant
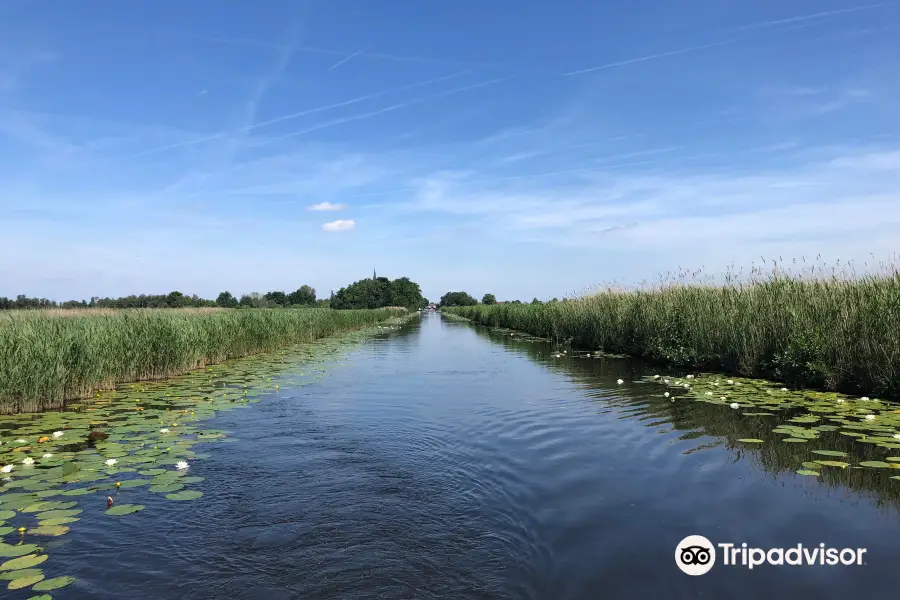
[138,459]
[47,359]
[824,328]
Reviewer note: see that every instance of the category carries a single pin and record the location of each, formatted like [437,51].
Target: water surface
[446,461]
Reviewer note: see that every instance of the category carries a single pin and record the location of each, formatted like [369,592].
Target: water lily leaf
[22,573]
[9,550]
[829,452]
[833,463]
[124,509]
[52,505]
[750,441]
[875,464]
[7,514]
[23,562]
[5,530]
[198,479]
[59,521]
[53,584]
[78,492]
[812,466]
[794,440]
[893,458]
[70,468]
[53,530]
[166,488]
[808,472]
[23,582]
[133,483]
[42,597]
[56,514]
[185,495]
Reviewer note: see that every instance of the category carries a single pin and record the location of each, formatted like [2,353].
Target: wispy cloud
[326,206]
[339,225]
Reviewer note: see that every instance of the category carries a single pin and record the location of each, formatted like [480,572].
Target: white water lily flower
[656,377]
[784,389]
[709,393]
[111,461]
[840,400]
[730,381]
[665,381]
[897,436]
[715,383]
[48,455]
[739,383]
[181,465]
[20,441]
[666,394]
[687,386]
[164,430]
[734,405]
[27,461]
[689,377]
[619,381]
[870,417]
[722,397]
[865,398]
[6,469]
[57,434]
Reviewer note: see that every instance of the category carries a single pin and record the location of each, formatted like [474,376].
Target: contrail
[378,112]
[345,59]
[808,17]
[302,113]
[651,57]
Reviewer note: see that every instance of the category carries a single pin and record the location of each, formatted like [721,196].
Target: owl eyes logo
[695,555]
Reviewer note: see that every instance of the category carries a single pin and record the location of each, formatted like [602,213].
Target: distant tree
[515,302]
[226,300]
[304,295]
[175,300]
[323,303]
[246,301]
[276,298]
[536,301]
[457,299]
[489,299]
[379,292]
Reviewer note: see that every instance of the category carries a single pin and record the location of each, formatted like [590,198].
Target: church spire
[373,274]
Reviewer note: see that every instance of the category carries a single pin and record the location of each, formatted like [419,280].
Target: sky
[523,148]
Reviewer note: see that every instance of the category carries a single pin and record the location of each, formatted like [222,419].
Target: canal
[441,460]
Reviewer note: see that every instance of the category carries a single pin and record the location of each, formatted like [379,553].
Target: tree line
[366,293]
[464,299]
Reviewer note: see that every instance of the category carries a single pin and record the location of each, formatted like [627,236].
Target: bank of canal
[441,460]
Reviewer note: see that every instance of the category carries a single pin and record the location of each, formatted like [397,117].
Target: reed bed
[49,357]
[825,328]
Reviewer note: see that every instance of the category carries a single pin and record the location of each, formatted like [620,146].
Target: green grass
[49,357]
[831,331]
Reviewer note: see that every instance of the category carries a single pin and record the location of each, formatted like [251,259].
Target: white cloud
[339,225]
[327,206]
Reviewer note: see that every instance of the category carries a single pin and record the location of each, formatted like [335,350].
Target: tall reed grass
[49,357]
[824,328]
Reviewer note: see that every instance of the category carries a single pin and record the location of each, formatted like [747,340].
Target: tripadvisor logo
[696,555]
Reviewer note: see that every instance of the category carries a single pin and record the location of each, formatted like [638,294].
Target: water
[445,461]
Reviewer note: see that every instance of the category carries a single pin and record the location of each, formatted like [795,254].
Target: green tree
[226,300]
[378,293]
[536,301]
[457,299]
[276,298]
[304,295]
[175,300]
[489,299]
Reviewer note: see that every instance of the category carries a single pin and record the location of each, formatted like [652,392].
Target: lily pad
[10,550]
[53,584]
[58,521]
[875,464]
[808,472]
[57,514]
[794,440]
[7,514]
[750,441]
[829,452]
[133,483]
[54,530]
[42,597]
[20,574]
[166,488]
[23,582]
[185,495]
[833,463]
[124,509]
[23,562]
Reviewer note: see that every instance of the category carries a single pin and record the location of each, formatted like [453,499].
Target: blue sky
[526,148]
